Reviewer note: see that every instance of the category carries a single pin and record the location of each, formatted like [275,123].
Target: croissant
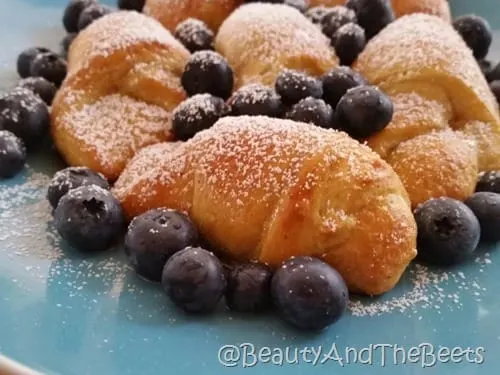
[171,12]
[446,125]
[122,84]
[267,189]
[439,8]
[260,40]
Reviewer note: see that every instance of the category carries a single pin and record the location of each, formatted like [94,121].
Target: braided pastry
[172,12]
[436,86]
[260,40]
[122,84]
[439,8]
[267,189]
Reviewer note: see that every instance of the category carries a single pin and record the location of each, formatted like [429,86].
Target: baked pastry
[436,86]
[122,84]
[439,8]
[260,40]
[267,189]
[172,12]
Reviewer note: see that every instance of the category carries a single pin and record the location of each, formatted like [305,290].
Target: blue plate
[62,312]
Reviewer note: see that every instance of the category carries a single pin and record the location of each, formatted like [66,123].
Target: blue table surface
[62,312]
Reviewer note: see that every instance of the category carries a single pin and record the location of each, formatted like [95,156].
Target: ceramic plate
[62,312]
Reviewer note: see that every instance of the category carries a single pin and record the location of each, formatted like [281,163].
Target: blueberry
[153,237]
[40,86]
[337,81]
[136,5]
[312,110]
[89,218]
[66,44]
[335,18]
[373,15]
[486,207]
[91,14]
[195,35]
[254,100]
[208,72]
[194,280]
[349,41]
[363,111]
[476,32]
[12,154]
[489,181]
[448,231]
[293,86]
[316,14]
[309,293]
[72,13]
[25,59]
[495,88]
[300,5]
[24,114]
[197,113]
[486,67]
[50,66]
[494,74]
[249,287]
[72,178]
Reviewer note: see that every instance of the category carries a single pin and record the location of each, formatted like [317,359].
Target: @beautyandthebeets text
[423,355]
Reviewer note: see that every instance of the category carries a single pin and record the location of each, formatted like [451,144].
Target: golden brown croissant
[439,8]
[267,189]
[436,85]
[172,12]
[260,40]
[122,84]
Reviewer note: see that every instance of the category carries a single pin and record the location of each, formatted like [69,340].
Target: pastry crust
[439,8]
[172,12]
[260,40]
[268,189]
[122,84]
[436,85]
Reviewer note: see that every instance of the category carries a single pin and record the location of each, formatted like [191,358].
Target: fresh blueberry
[195,35]
[494,73]
[337,81]
[40,86]
[486,67]
[476,32]
[300,5]
[486,207]
[208,72]
[349,41]
[25,59]
[91,14]
[373,15]
[197,113]
[293,86]
[72,13]
[316,14]
[495,88]
[72,178]
[89,218]
[12,154]
[335,18]
[194,280]
[254,100]
[448,231]
[312,110]
[363,111]
[309,293]
[136,5]
[50,66]
[66,44]
[24,114]
[249,287]
[489,181]
[153,237]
